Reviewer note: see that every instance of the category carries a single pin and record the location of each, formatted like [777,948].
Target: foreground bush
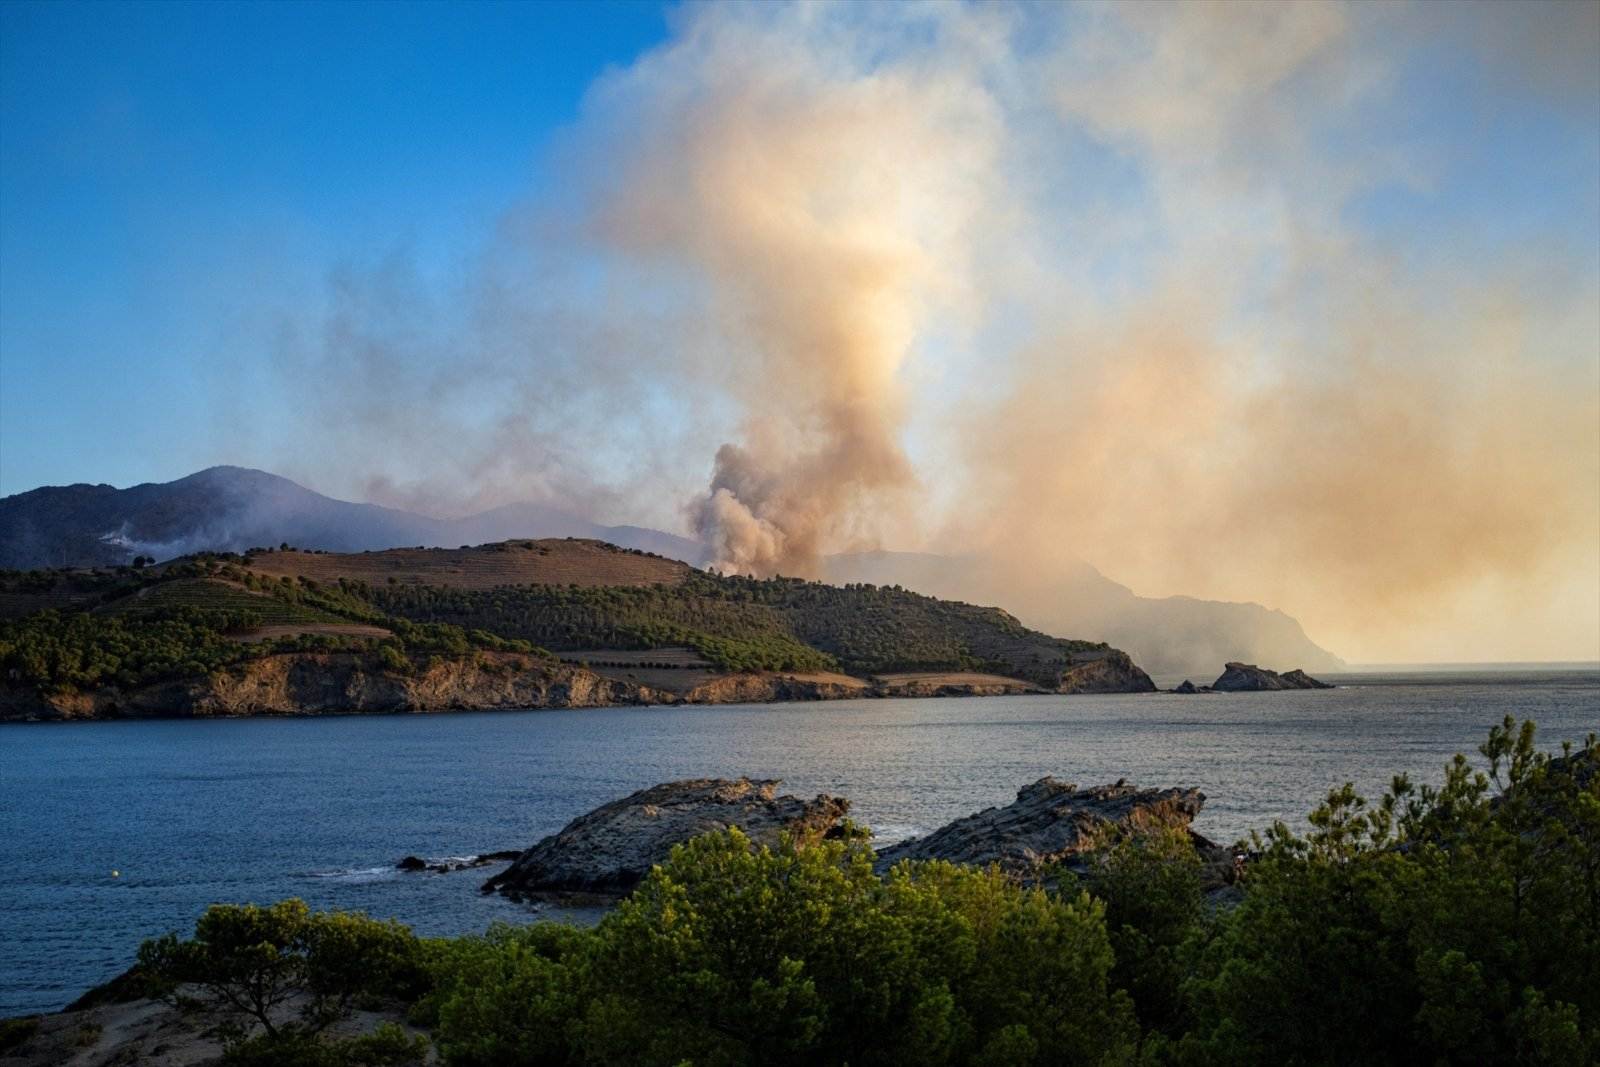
[1449,925]
[291,974]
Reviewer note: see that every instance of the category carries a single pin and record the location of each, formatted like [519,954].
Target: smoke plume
[1125,283]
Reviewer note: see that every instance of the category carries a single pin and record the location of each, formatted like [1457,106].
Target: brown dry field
[553,561]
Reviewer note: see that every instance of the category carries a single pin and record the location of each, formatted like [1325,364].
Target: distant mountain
[1168,636]
[234,508]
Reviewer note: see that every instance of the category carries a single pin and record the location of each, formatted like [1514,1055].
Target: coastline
[299,684]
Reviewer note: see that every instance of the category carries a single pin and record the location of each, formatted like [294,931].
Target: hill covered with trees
[75,630]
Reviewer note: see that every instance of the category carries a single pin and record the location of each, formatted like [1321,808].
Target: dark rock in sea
[1186,687]
[417,863]
[1051,822]
[1248,678]
[1299,679]
[609,851]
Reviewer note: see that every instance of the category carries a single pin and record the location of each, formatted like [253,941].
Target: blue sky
[1322,278]
[149,150]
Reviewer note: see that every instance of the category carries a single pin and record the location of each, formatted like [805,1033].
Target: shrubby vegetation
[78,650]
[1449,925]
[128,629]
[747,623]
[133,626]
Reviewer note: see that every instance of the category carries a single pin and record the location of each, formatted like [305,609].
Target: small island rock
[1248,678]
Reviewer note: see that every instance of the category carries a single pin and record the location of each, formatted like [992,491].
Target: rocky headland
[343,683]
[1112,671]
[1051,824]
[609,851]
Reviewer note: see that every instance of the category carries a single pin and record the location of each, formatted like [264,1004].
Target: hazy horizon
[1296,305]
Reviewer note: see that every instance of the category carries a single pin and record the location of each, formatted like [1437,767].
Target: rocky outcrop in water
[450,866]
[1114,672]
[1051,822]
[1248,678]
[609,851]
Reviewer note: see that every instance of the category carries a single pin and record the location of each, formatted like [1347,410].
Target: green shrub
[1450,925]
[387,1046]
[731,955]
[509,997]
[251,962]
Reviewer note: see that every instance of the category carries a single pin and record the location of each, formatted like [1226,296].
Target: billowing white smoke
[1039,282]
[820,194]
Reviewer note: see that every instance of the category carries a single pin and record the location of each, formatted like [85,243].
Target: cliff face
[342,683]
[1114,672]
[334,683]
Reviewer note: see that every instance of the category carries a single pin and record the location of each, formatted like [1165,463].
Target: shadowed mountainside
[230,509]
[1172,635]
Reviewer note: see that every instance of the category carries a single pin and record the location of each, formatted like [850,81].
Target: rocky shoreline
[1051,827]
[343,683]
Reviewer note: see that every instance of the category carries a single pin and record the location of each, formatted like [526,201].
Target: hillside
[230,509]
[566,616]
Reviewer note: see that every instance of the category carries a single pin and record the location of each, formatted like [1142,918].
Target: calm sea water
[256,810]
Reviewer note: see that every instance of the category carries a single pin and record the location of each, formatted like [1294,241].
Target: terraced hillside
[216,594]
[743,623]
[552,600]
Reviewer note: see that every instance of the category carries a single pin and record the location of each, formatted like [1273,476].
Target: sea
[112,832]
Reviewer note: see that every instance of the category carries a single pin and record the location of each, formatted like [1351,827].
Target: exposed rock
[1186,687]
[448,866]
[1299,679]
[346,683]
[1051,822]
[1113,672]
[1248,678]
[335,683]
[609,851]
